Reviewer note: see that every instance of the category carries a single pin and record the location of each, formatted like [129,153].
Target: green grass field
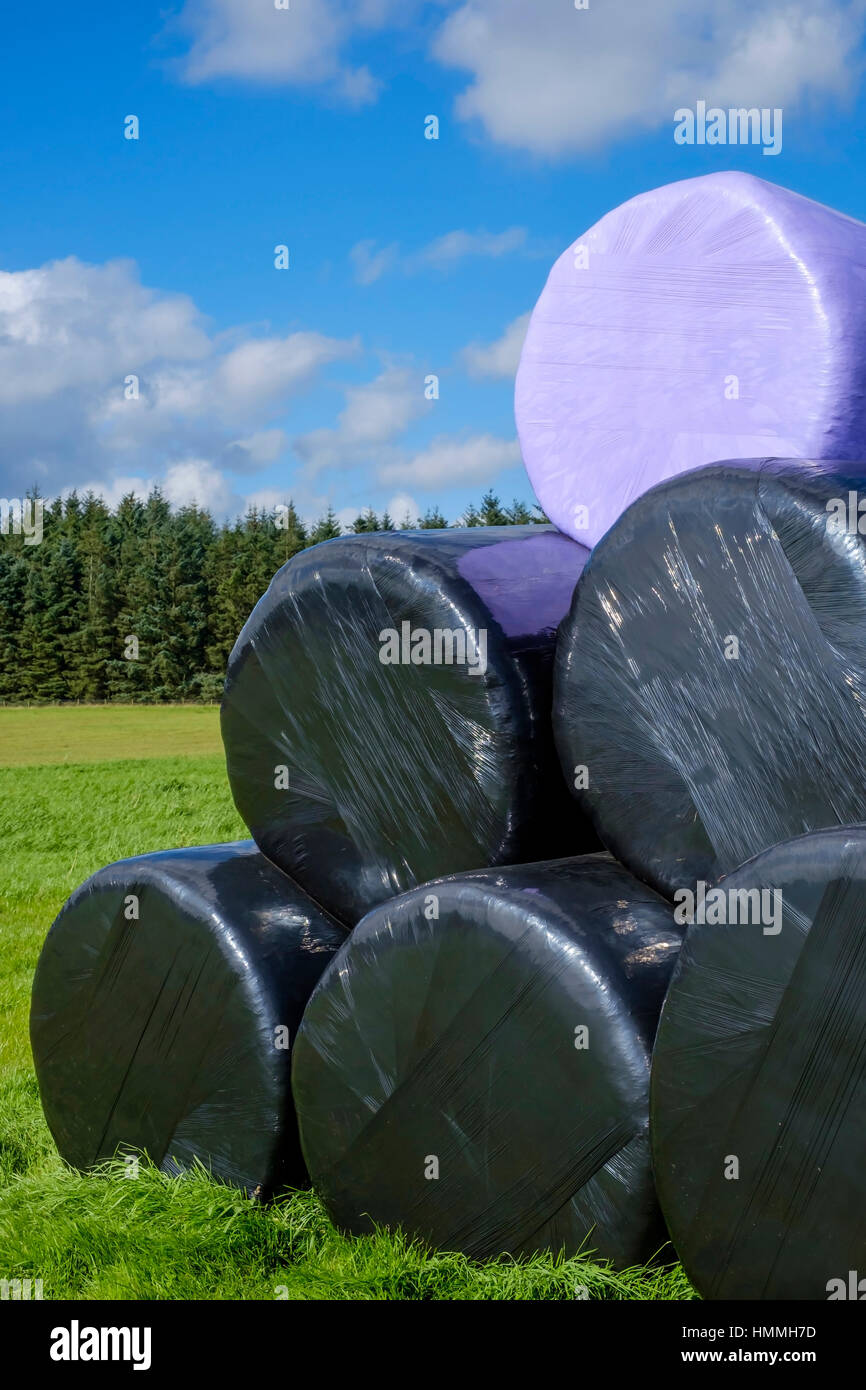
[80,787]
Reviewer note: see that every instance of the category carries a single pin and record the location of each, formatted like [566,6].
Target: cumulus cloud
[499,359]
[263,368]
[101,376]
[256,451]
[449,459]
[543,76]
[304,45]
[401,505]
[444,253]
[187,482]
[552,80]
[375,414]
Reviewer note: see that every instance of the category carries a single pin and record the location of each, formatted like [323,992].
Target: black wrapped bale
[166,1000]
[710,685]
[474,1065]
[759,1077]
[386,717]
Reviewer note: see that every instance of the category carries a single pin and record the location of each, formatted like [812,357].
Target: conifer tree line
[143,602]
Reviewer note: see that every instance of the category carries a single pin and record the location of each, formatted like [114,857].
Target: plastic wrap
[166,1001]
[474,1065]
[387,710]
[719,317]
[711,676]
[759,1078]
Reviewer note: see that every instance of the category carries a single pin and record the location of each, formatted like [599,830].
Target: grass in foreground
[152,1237]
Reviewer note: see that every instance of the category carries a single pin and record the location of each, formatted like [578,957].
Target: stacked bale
[759,1079]
[387,710]
[717,317]
[474,1066]
[166,1001]
[404,717]
[711,675]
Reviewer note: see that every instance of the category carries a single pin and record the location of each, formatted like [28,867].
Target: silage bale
[387,710]
[711,676]
[716,317]
[474,1065]
[166,1001]
[759,1077]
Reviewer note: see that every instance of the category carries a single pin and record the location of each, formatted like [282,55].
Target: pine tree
[92,645]
[518,514]
[145,602]
[365,521]
[13,584]
[290,535]
[491,512]
[327,528]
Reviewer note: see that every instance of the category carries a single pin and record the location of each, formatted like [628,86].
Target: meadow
[81,786]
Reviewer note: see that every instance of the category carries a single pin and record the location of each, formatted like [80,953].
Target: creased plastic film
[474,1065]
[387,710]
[165,1005]
[717,317]
[711,676]
[759,1078]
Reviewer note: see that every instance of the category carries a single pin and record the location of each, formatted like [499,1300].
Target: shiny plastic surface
[361,776]
[717,317]
[759,1079]
[474,1065]
[711,676]
[156,1006]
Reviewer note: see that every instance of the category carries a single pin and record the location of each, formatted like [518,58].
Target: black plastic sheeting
[759,1078]
[156,1004]
[361,777]
[711,676]
[442,1083]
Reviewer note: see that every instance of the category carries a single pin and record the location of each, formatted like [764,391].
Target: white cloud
[499,359]
[456,246]
[543,76]
[374,415]
[188,481]
[303,45]
[454,460]
[257,450]
[198,481]
[552,80]
[443,253]
[263,368]
[401,505]
[369,264]
[101,376]
[67,325]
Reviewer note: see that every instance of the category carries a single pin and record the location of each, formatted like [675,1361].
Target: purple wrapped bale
[719,317]
[387,714]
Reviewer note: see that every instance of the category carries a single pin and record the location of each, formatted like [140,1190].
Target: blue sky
[305,127]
